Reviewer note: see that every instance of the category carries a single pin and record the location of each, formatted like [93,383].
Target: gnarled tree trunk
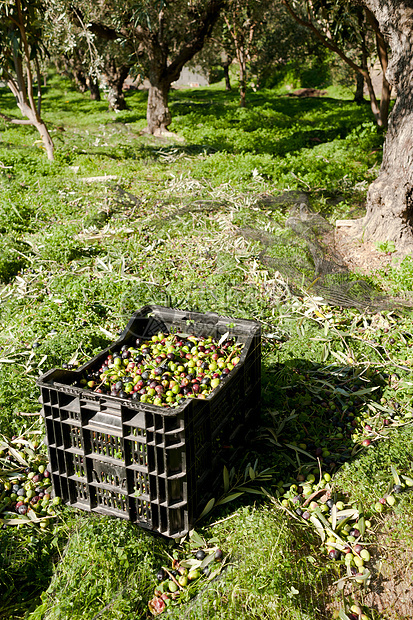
[157,112]
[389,214]
[115,74]
[93,86]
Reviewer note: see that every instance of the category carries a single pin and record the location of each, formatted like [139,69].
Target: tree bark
[389,214]
[381,46]
[115,76]
[359,94]
[93,86]
[226,66]
[242,77]
[157,112]
[28,110]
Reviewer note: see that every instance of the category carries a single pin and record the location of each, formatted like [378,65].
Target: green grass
[189,224]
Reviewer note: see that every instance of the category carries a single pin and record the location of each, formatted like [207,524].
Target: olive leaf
[18,457]
[207,508]
[226,479]
[196,538]
[395,475]
[361,524]
[318,526]
[190,563]
[223,338]
[334,517]
[208,559]
[229,498]
[338,546]
[297,449]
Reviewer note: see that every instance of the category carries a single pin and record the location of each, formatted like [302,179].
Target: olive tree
[161,37]
[20,46]
[92,61]
[244,20]
[348,30]
[390,197]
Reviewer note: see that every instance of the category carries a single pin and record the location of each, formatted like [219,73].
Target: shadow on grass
[311,414]
[317,409]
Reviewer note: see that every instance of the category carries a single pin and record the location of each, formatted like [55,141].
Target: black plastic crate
[156,466]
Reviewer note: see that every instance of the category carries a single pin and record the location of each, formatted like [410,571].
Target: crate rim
[143,312]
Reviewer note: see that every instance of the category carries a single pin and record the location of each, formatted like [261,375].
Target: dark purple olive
[218,554]
[200,554]
[334,554]
[160,575]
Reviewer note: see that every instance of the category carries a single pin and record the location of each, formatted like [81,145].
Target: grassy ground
[184,223]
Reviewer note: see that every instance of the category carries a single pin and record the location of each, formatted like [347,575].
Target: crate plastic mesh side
[72,436]
[79,491]
[144,512]
[69,406]
[79,469]
[108,501]
[107,445]
[53,432]
[107,486]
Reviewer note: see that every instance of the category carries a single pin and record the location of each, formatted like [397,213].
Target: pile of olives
[165,369]
[25,489]
[341,525]
[181,581]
